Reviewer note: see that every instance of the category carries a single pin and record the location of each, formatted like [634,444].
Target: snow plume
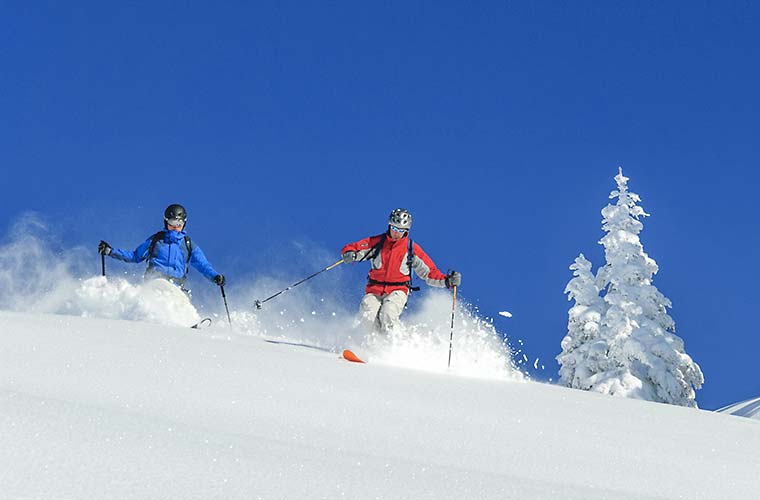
[324,322]
[423,341]
[36,275]
[155,301]
[620,339]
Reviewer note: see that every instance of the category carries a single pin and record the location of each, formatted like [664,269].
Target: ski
[204,323]
[350,356]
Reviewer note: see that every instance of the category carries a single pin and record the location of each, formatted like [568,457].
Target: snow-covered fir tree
[632,350]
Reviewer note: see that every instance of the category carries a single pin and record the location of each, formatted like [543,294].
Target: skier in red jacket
[389,280]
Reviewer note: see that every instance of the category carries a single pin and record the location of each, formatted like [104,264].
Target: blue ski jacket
[169,257]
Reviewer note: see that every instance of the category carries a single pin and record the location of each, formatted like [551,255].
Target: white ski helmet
[401,218]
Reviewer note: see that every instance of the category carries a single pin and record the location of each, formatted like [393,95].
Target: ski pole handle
[332,265]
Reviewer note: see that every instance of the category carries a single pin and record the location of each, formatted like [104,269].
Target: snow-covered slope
[749,408]
[102,408]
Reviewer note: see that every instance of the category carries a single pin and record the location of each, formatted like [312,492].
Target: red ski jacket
[390,266]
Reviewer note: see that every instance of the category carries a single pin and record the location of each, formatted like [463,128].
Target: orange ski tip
[350,356]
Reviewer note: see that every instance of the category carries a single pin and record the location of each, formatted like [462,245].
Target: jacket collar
[392,242]
[174,236]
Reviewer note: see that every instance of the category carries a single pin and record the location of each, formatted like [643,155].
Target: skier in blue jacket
[168,252]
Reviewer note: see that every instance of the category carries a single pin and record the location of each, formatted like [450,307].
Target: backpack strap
[410,262]
[375,251]
[153,240]
[189,246]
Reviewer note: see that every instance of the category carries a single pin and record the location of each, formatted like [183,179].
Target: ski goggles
[175,222]
[398,229]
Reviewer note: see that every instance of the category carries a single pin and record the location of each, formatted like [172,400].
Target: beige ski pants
[380,313]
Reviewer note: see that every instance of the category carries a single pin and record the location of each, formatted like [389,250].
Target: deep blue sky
[499,124]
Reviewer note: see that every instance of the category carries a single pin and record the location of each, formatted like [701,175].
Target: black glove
[219,279]
[453,279]
[104,248]
[349,257]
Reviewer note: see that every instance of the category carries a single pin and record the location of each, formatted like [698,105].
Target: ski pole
[224,296]
[259,303]
[451,337]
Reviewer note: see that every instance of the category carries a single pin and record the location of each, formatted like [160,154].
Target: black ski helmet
[175,211]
